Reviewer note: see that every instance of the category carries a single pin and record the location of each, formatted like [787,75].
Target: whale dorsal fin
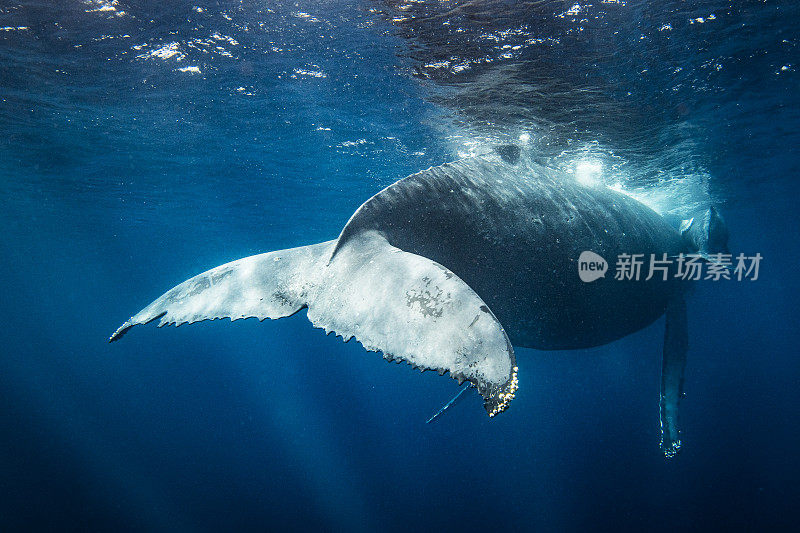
[509,153]
[404,305]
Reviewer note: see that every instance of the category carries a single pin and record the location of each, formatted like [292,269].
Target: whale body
[449,268]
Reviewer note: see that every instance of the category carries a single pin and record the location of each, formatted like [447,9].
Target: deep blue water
[144,142]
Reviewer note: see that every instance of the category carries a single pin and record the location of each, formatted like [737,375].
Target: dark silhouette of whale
[448,268]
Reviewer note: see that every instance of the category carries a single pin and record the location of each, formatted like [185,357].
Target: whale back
[513,233]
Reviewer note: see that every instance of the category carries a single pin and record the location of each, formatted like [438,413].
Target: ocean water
[144,142]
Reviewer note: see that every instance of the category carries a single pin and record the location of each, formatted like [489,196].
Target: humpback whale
[450,268]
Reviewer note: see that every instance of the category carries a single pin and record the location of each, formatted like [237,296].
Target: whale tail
[261,286]
[706,234]
[402,304]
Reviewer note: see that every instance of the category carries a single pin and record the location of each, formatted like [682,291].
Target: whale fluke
[270,285]
[392,301]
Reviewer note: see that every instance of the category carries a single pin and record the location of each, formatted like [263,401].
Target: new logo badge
[591,266]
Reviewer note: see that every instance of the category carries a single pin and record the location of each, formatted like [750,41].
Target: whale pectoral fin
[676,343]
[271,285]
[414,309]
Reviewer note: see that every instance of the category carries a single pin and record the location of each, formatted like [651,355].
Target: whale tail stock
[404,305]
